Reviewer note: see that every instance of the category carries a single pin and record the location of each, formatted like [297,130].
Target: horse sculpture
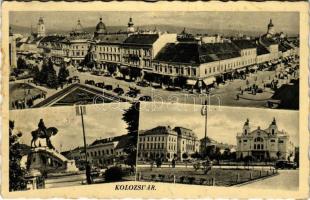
[49,132]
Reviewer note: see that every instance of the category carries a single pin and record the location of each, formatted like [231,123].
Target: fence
[235,179]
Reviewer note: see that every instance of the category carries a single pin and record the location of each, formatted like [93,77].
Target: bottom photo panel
[218,146]
[73,145]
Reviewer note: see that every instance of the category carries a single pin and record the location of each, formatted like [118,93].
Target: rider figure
[42,126]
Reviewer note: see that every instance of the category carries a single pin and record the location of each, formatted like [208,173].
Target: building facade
[167,144]
[264,144]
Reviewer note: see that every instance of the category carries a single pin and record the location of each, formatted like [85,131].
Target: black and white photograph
[71,146]
[212,146]
[166,100]
[64,58]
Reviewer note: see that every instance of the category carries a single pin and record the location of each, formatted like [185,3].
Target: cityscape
[171,97]
[180,148]
[50,68]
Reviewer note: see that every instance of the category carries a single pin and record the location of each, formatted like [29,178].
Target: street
[286,180]
[63,181]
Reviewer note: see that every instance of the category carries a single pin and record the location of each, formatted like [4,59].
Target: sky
[101,121]
[223,122]
[245,21]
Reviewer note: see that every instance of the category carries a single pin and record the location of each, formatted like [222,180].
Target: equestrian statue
[43,133]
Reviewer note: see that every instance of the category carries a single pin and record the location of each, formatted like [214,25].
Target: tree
[16,173]
[36,73]
[63,74]
[111,69]
[21,63]
[181,81]
[124,71]
[131,117]
[135,73]
[48,74]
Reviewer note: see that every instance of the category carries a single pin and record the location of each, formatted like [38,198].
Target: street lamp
[81,111]
[204,112]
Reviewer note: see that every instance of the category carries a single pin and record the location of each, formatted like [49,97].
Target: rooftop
[244,44]
[142,39]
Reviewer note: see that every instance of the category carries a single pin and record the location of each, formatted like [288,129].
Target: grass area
[18,91]
[217,177]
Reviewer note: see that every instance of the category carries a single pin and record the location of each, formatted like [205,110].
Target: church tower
[41,28]
[246,127]
[270,30]
[273,128]
[130,28]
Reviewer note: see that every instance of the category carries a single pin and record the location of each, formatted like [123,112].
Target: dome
[100,28]
[79,28]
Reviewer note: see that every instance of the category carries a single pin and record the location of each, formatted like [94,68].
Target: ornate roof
[101,28]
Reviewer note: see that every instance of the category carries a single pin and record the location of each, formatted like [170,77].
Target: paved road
[224,95]
[64,181]
[286,180]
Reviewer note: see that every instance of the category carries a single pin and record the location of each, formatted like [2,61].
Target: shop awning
[209,81]
[255,67]
[191,82]
[67,59]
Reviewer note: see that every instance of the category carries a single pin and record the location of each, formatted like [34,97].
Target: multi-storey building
[102,152]
[167,143]
[139,50]
[264,144]
[12,50]
[247,51]
[53,47]
[77,44]
[108,50]
[188,142]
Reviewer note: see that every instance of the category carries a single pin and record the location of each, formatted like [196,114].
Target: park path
[286,180]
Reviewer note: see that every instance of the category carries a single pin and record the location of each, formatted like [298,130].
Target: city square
[256,70]
[183,148]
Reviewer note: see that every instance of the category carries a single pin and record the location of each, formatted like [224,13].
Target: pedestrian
[173,163]
[237,96]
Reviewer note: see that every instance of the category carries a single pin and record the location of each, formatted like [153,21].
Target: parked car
[90,82]
[108,87]
[132,94]
[100,85]
[107,74]
[145,98]
[119,91]
[143,84]
[284,164]
[96,73]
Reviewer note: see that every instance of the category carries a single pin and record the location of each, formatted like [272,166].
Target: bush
[114,174]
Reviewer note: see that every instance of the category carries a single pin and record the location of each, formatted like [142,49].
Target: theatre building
[167,143]
[264,144]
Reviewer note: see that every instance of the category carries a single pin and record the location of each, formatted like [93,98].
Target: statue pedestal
[49,161]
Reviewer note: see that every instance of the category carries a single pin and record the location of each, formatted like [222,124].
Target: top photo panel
[243,59]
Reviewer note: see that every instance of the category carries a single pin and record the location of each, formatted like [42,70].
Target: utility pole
[81,110]
[204,112]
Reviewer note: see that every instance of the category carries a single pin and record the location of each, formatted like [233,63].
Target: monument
[47,159]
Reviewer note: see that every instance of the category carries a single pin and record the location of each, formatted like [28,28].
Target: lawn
[21,91]
[217,177]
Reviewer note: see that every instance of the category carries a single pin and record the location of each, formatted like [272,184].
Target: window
[272,140]
[280,141]
[245,140]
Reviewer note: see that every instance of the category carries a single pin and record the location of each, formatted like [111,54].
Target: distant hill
[169,28]
[160,27]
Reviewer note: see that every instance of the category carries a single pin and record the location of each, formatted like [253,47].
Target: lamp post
[81,111]
[204,112]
